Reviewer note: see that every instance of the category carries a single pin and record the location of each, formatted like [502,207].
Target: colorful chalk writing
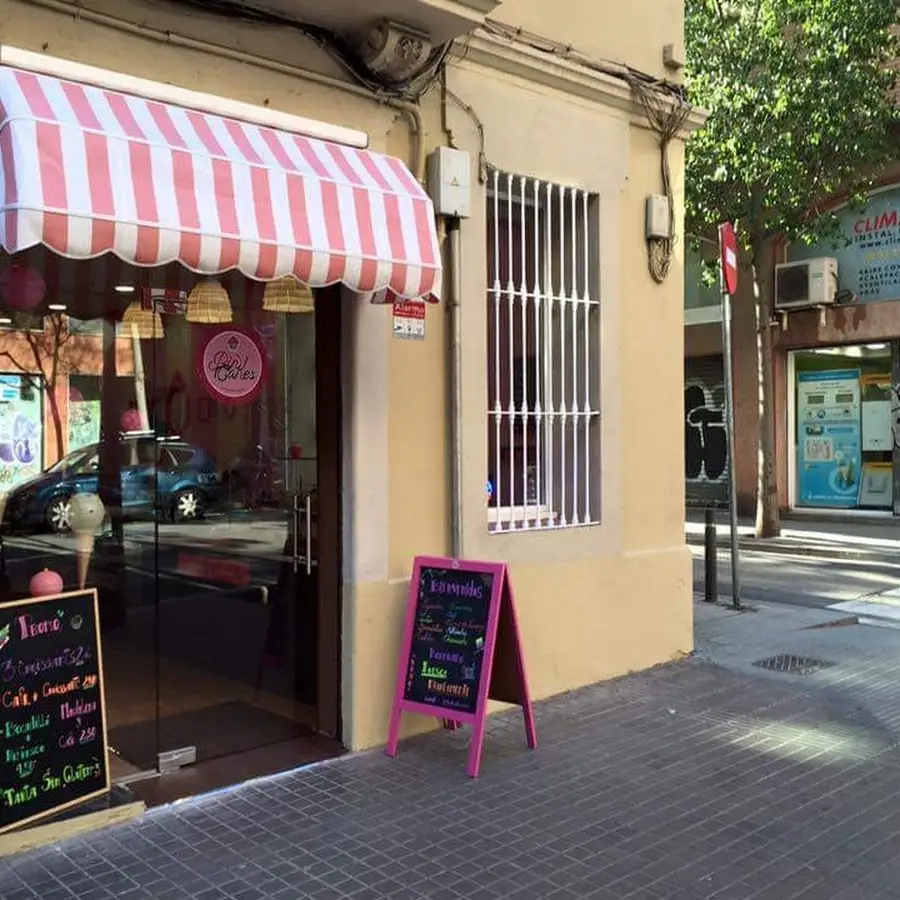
[460,648]
[448,638]
[52,709]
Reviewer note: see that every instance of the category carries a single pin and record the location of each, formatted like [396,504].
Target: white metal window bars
[543,350]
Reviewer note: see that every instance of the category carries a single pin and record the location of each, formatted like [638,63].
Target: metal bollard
[711,577]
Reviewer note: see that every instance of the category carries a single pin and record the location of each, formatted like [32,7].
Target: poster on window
[877,435]
[84,423]
[829,438]
[21,429]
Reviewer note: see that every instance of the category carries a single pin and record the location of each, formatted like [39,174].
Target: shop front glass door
[200,439]
[232,406]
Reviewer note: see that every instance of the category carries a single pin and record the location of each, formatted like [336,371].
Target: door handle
[296,529]
[309,534]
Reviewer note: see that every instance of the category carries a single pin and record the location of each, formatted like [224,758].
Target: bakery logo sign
[232,365]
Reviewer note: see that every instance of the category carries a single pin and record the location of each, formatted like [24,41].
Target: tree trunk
[52,399]
[110,449]
[768,523]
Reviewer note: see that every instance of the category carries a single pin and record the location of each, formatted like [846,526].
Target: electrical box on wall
[448,182]
[659,224]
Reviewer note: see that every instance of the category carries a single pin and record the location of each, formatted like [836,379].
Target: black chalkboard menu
[448,638]
[52,708]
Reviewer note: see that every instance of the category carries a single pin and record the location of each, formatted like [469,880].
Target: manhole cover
[793,665]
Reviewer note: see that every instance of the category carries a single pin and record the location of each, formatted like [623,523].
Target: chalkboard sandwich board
[460,648]
[52,707]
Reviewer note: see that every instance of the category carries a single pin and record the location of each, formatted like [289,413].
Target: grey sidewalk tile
[690,781]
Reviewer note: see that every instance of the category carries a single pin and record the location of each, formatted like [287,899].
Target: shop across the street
[843,427]
[836,374]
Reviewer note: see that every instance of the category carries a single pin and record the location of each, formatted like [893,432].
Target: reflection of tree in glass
[52,354]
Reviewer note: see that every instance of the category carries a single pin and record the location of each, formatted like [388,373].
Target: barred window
[543,326]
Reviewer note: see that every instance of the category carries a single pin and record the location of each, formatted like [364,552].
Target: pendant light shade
[287,295]
[208,303]
[143,323]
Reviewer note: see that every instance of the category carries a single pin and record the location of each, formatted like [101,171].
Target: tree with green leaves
[801,113]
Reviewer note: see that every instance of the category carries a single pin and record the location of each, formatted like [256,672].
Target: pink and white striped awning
[88,171]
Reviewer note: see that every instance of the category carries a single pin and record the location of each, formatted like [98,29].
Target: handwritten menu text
[52,733]
[447,648]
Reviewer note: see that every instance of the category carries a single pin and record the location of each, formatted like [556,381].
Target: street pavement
[862,538]
[710,777]
[802,579]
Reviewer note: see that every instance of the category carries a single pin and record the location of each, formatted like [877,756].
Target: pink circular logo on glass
[232,365]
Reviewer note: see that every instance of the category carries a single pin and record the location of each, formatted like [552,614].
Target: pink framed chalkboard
[461,646]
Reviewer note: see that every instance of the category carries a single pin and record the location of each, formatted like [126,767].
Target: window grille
[543,353]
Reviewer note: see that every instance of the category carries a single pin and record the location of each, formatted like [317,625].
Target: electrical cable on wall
[338,47]
[666,117]
[566,51]
[664,105]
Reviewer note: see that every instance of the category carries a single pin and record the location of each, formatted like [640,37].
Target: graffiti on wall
[705,439]
[706,463]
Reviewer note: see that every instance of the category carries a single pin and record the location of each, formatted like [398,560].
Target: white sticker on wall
[409,319]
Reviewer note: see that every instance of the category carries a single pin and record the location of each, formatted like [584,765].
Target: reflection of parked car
[183,477]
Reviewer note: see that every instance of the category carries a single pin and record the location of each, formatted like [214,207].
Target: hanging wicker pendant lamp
[288,295]
[147,324]
[208,303]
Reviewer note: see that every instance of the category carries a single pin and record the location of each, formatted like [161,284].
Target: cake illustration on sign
[232,364]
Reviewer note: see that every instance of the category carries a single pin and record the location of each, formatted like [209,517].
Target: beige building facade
[585,501]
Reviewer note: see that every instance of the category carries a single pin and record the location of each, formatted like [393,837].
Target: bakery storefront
[195,328]
[172,288]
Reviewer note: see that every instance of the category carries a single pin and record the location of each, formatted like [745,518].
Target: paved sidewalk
[861,663]
[705,778]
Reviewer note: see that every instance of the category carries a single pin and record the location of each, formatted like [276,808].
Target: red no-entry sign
[728,254]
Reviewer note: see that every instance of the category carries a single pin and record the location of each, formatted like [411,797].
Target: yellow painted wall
[601,29]
[594,602]
[652,356]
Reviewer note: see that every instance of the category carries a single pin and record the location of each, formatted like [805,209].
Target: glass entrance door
[200,427]
[236,480]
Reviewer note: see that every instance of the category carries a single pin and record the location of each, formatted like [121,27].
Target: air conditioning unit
[801,285]
[392,51]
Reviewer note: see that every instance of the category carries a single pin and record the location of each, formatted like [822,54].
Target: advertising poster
[21,429]
[829,438]
[867,247]
[877,434]
[84,423]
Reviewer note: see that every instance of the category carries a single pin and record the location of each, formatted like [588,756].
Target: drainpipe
[417,133]
[455,389]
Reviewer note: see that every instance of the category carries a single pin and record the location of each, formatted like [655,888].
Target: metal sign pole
[729,429]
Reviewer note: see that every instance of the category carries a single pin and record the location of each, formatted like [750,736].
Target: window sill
[507,515]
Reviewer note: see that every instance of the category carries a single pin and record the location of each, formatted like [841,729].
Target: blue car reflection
[166,474]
